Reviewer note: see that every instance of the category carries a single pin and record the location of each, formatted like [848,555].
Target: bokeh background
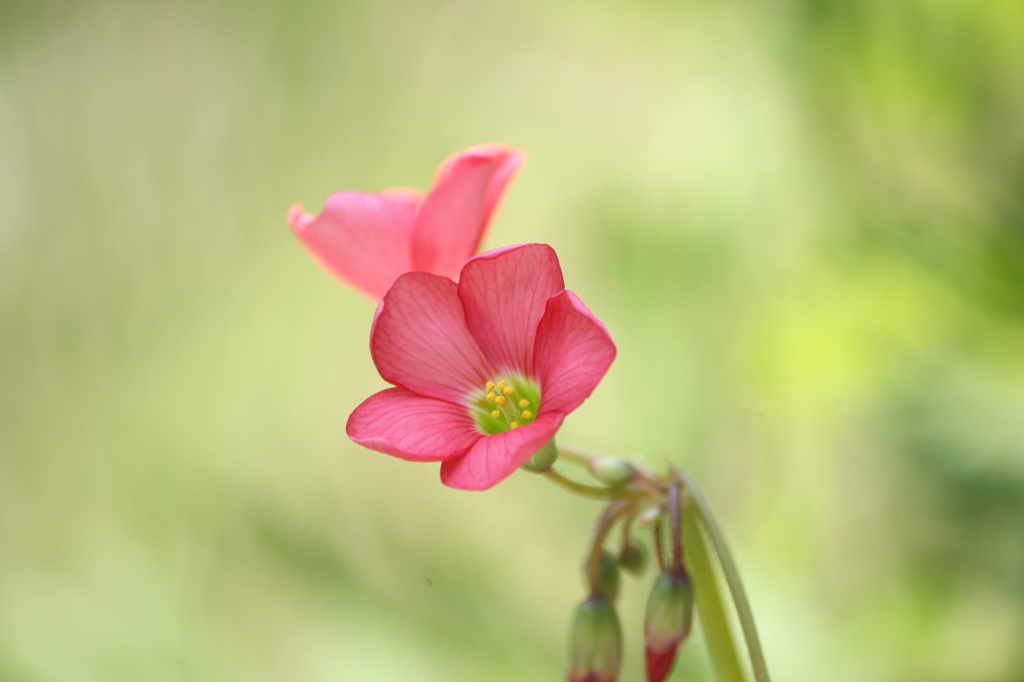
[802,220]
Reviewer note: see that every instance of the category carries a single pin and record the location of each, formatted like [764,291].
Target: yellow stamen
[500,400]
[507,390]
[527,414]
[514,425]
[502,383]
[496,414]
[524,402]
[490,385]
[490,397]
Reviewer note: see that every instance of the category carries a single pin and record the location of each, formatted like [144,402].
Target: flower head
[368,240]
[484,371]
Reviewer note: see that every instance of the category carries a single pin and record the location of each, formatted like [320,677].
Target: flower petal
[494,458]
[409,426]
[504,293]
[362,239]
[452,220]
[573,352]
[419,340]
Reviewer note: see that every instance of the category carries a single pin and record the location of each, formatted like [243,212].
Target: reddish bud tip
[659,664]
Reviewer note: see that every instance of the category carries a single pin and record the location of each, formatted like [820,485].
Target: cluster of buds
[596,638]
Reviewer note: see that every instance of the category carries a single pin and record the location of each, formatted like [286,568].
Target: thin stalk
[732,577]
[615,510]
[711,602]
[576,456]
[675,513]
[659,550]
[593,492]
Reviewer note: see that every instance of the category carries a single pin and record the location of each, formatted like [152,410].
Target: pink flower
[484,371]
[369,240]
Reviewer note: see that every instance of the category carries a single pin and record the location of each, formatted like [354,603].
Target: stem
[604,526]
[626,525]
[674,510]
[590,491]
[576,456]
[657,543]
[593,492]
[711,606]
[732,576]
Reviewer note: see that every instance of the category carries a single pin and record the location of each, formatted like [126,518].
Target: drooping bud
[633,557]
[543,458]
[596,641]
[611,470]
[608,577]
[668,621]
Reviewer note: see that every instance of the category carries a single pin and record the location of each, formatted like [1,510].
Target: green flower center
[506,404]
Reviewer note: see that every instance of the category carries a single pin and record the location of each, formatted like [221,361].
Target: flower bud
[543,458]
[633,557]
[611,470]
[608,577]
[669,617]
[596,642]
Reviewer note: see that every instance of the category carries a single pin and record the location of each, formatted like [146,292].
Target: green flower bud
[543,458]
[596,641]
[633,557]
[611,470]
[668,621]
[607,578]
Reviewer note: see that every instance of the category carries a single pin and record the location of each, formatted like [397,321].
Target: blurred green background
[803,222]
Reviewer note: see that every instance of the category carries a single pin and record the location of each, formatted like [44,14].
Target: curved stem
[576,456]
[590,491]
[604,526]
[593,492]
[732,577]
[711,601]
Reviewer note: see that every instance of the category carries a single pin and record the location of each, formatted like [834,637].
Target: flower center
[506,404]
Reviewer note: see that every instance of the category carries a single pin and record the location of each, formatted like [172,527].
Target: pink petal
[494,458]
[419,340]
[509,159]
[505,293]
[453,218]
[409,426]
[410,197]
[573,352]
[362,239]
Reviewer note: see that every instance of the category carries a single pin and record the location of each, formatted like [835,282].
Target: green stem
[732,578]
[576,456]
[615,510]
[593,492]
[711,606]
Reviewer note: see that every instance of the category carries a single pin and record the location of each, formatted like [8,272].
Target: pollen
[500,400]
[514,425]
[490,397]
[527,414]
[496,413]
[524,402]
[507,390]
[490,385]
